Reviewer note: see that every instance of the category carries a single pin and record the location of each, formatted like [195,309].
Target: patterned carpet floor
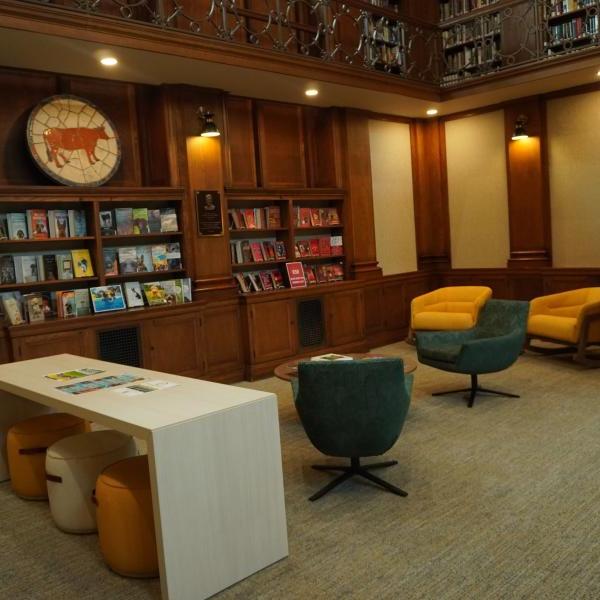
[504,503]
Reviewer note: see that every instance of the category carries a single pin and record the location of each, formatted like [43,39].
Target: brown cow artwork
[59,141]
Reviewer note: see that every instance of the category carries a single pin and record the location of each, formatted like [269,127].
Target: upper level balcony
[426,49]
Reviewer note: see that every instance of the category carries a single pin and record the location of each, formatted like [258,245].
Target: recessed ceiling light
[432,111]
[312,92]
[109,61]
[598,73]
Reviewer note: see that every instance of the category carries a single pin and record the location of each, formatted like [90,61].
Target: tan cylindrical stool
[125,518]
[26,445]
[72,468]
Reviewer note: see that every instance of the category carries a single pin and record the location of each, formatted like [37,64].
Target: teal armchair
[353,409]
[494,344]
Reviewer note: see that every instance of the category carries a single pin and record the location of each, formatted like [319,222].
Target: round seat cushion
[26,444]
[125,518]
[72,467]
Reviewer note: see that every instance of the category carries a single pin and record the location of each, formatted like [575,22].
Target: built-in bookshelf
[386,42]
[54,248]
[267,233]
[471,39]
[571,25]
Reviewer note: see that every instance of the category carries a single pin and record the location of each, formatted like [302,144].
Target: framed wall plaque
[210,215]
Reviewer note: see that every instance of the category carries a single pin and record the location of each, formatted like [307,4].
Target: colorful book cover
[173,291]
[280,253]
[77,223]
[7,269]
[50,267]
[61,223]
[159,257]
[265,280]
[168,220]
[140,221]
[174,256]
[314,247]
[311,278]
[111,261]
[133,294]
[303,247]
[337,245]
[12,308]
[82,302]
[295,272]
[124,221]
[273,217]
[49,304]
[154,220]
[322,276]
[143,259]
[82,263]
[34,307]
[67,300]
[107,222]
[268,250]
[39,224]
[337,272]
[235,221]
[324,246]
[249,219]
[127,259]
[277,277]
[106,298]
[241,283]
[257,254]
[155,293]
[17,226]
[255,282]
[29,268]
[333,217]
[64,265]
[315,217]
[304,217]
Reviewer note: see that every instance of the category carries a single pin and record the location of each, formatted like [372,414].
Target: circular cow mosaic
[73,141]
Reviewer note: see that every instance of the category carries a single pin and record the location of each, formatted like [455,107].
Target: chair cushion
[435,321]
[441,352]
[553,327]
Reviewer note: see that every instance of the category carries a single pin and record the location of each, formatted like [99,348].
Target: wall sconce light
[520,132]
[208,127]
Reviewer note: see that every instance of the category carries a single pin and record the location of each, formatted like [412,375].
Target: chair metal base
[474,390]
[355,468]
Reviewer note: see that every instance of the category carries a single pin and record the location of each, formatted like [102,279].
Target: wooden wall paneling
[497,279]
[240,158]
[223,339]
[395,305]
[118,101]
[281,145]
[562,280]
[430,192]
[21,92]
[523,287]
[528,186]
[272,330]
[5,347]
[77,341]
[359,219]
[374,308]
[345,317]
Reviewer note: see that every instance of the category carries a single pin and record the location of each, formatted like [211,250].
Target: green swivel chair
[353,409]
[492,345]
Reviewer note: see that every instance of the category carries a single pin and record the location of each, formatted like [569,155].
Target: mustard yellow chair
[448,308]
[569,318]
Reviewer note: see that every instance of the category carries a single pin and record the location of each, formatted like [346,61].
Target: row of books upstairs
[266,217]
[557,8]
[450,9]
[36,307]
[576,28]
[142,259]
[137,221]
[297,275]
[471,31]
[42,224]
[31,268]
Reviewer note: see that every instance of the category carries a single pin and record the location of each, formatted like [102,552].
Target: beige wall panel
[574,160]
[477,191]
[393,204]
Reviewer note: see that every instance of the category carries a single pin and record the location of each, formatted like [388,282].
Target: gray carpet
[504,502]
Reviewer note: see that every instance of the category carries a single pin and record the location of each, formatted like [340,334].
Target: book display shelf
[471,38]
[270,232]
[571,24]
[62,256]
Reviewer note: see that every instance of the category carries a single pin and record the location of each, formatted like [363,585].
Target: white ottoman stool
[72,467]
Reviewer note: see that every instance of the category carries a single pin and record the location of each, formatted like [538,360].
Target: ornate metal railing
[357,33]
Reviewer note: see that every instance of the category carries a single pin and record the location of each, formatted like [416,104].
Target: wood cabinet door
[345,317]
[79,341]
[395,311]
[374,311]
[174,345]
[272,328]
[223,339]
[281,145]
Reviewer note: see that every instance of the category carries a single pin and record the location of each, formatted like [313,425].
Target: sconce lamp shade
[520,132]
[208,127]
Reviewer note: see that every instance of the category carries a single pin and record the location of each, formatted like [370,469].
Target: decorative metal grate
[311,328]
[360,34]
[120,346]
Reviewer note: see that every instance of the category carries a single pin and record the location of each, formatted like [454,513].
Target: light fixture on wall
[431,112]
[208,127]
[520,132]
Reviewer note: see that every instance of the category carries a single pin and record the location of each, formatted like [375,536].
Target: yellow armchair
[448,308]
[570,318]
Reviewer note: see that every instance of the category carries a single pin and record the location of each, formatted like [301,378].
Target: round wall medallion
[73,141]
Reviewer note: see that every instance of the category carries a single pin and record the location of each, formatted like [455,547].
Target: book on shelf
[278,282]
[3,226]
[302,248]
[280,252]
[154,225]
[111,261]
[140,221]
[311,277]
[77,222]
[58,223]
[337,245]
[173,252]
[249,218]
[37,223]
[173,291]
[159,257]
[314,247]
[124,221]
[268,249]
[324,246]
[333,217]
[107,298]
[257,253]
[265,280]
[17,226]
[239,277]
[246,251]
[133,294]
[26,268]
[82,263]
[81,299]
[295,273]
[7,270]
[273,217]
[65,304]
[143,259]
[64,266]
[168,220]
[303,219]
[11,305]
[34,307]
[127,259]
[186,284]
[315,217]
[255,282]
[50,267]
[155,293]
[107,223]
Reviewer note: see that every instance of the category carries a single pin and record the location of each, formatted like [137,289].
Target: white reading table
[215,464]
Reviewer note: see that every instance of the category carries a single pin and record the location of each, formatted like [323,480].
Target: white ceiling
[31,50]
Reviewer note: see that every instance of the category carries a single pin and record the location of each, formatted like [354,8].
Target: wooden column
[528,195]
[430,192]
[358,211]
[196,163]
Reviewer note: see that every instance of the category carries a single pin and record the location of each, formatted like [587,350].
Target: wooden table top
[288,370]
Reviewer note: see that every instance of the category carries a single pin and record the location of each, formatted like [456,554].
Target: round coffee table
[288,370]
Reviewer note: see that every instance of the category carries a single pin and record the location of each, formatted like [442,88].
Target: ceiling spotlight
[520,132]
[208,127]
[109,61]
[312,92]
[432,111]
